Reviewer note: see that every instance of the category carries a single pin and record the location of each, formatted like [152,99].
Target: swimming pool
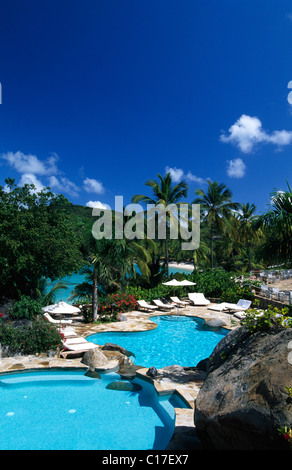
[177,340]
[67,410]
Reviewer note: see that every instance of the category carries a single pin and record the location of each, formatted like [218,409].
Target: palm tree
[110,262]
[247,217]
[166,193]
[277,226]
[215,204]
[48,297]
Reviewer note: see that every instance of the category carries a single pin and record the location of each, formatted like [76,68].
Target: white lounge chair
[217,307]
[78,344]
[242,315]
[162,306]
[198,298]
[143,304]
[56,322]
[78,340]
[68,332]
[241,306]
[179,302]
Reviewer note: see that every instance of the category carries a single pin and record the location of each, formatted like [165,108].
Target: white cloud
[97,205]
[195,179]
[30,164]
[93,186]
[177,174]
[63,185]
[236,168]
[247,132]
[28,178]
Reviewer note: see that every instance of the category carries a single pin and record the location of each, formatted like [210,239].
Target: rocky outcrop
[121,386]
[95,359]
[244,399]
[116,347]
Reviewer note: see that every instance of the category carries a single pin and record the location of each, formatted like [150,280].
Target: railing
[274,293]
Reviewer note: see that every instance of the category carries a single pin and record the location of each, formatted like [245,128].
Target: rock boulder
[95,359]
[243,400]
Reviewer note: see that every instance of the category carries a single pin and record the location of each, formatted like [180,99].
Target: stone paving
[184,434]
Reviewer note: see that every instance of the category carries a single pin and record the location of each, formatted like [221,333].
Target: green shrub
[39,337]
[266,320]
[213,282]
[157,292]
[236,293]
[26,307]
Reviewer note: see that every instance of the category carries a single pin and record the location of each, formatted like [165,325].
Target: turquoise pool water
[177,339]
[66,410]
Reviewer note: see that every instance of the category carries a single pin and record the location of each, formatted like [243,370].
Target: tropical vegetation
[43,236]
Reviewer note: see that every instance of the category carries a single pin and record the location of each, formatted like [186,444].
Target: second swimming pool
[177,340]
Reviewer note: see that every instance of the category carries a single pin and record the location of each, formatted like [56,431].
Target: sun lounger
[198,298]
[78,340]
[76,347]
[242,315]
[143,304]
[179,302]
[57,322]
[78,344]
[241,306]
[67,332]
[162,306]
[217,307]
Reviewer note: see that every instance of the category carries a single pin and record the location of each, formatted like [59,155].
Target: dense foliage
[26,307]
[43,236]
[267,320]
[37,337]
[37,239]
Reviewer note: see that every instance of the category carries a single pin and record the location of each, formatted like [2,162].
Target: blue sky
[99,96]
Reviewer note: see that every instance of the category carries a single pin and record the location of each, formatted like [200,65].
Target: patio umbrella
[173,282]
[185,282]
[61,308]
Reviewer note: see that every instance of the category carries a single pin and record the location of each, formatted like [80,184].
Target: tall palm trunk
[167,257]
[94,297]
[212,263]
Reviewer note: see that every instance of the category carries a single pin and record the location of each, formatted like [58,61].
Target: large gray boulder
[243,400]
[95,359]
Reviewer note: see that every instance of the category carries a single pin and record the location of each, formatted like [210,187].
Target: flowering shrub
[40,337]
[123,302]
[286,432]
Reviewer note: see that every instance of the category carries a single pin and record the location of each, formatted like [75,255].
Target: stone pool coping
[184,436]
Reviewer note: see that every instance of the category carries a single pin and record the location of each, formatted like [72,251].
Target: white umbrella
[173,282]
[185,282]
[61,307]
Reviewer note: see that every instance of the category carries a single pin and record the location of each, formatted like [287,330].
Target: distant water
[77,278]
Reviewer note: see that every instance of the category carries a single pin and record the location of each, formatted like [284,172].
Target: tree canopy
[37,239]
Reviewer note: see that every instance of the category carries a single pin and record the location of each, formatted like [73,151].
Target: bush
[123,302]
[157,292]
[213,282]
[26,307]
[39,337]
[266,320]
[236,293]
